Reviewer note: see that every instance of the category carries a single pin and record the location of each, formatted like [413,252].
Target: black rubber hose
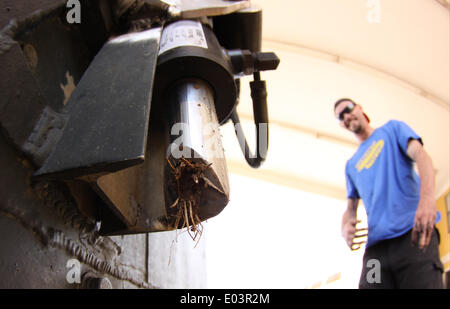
[261,118]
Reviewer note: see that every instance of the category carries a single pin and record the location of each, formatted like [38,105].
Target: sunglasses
[348,109]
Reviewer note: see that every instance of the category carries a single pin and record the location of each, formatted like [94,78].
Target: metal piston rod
[196,168]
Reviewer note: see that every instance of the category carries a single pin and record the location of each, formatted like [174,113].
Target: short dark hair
[342,100]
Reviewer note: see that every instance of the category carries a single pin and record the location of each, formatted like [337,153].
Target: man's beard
[358,129]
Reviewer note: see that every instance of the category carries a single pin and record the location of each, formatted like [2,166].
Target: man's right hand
[353,235]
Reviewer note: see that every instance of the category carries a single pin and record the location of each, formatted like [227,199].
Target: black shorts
[397,264]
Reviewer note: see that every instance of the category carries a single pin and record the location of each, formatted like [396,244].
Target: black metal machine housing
[114,131]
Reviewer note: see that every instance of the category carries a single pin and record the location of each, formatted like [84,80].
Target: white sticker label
[182,33]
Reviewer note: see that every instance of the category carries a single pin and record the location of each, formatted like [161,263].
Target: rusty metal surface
[45,224]
[42,59]
[57,56]
[42,228]
[19,91]
[10,9]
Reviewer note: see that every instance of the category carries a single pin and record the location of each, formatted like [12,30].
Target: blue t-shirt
[383,176]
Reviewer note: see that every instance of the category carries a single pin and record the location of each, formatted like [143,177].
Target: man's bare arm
[427,208]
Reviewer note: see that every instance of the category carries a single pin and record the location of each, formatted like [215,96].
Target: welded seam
[54,238]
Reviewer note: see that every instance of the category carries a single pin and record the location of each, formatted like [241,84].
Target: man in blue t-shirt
[402,241]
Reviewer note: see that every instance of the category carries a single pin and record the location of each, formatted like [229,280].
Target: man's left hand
[424,222]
